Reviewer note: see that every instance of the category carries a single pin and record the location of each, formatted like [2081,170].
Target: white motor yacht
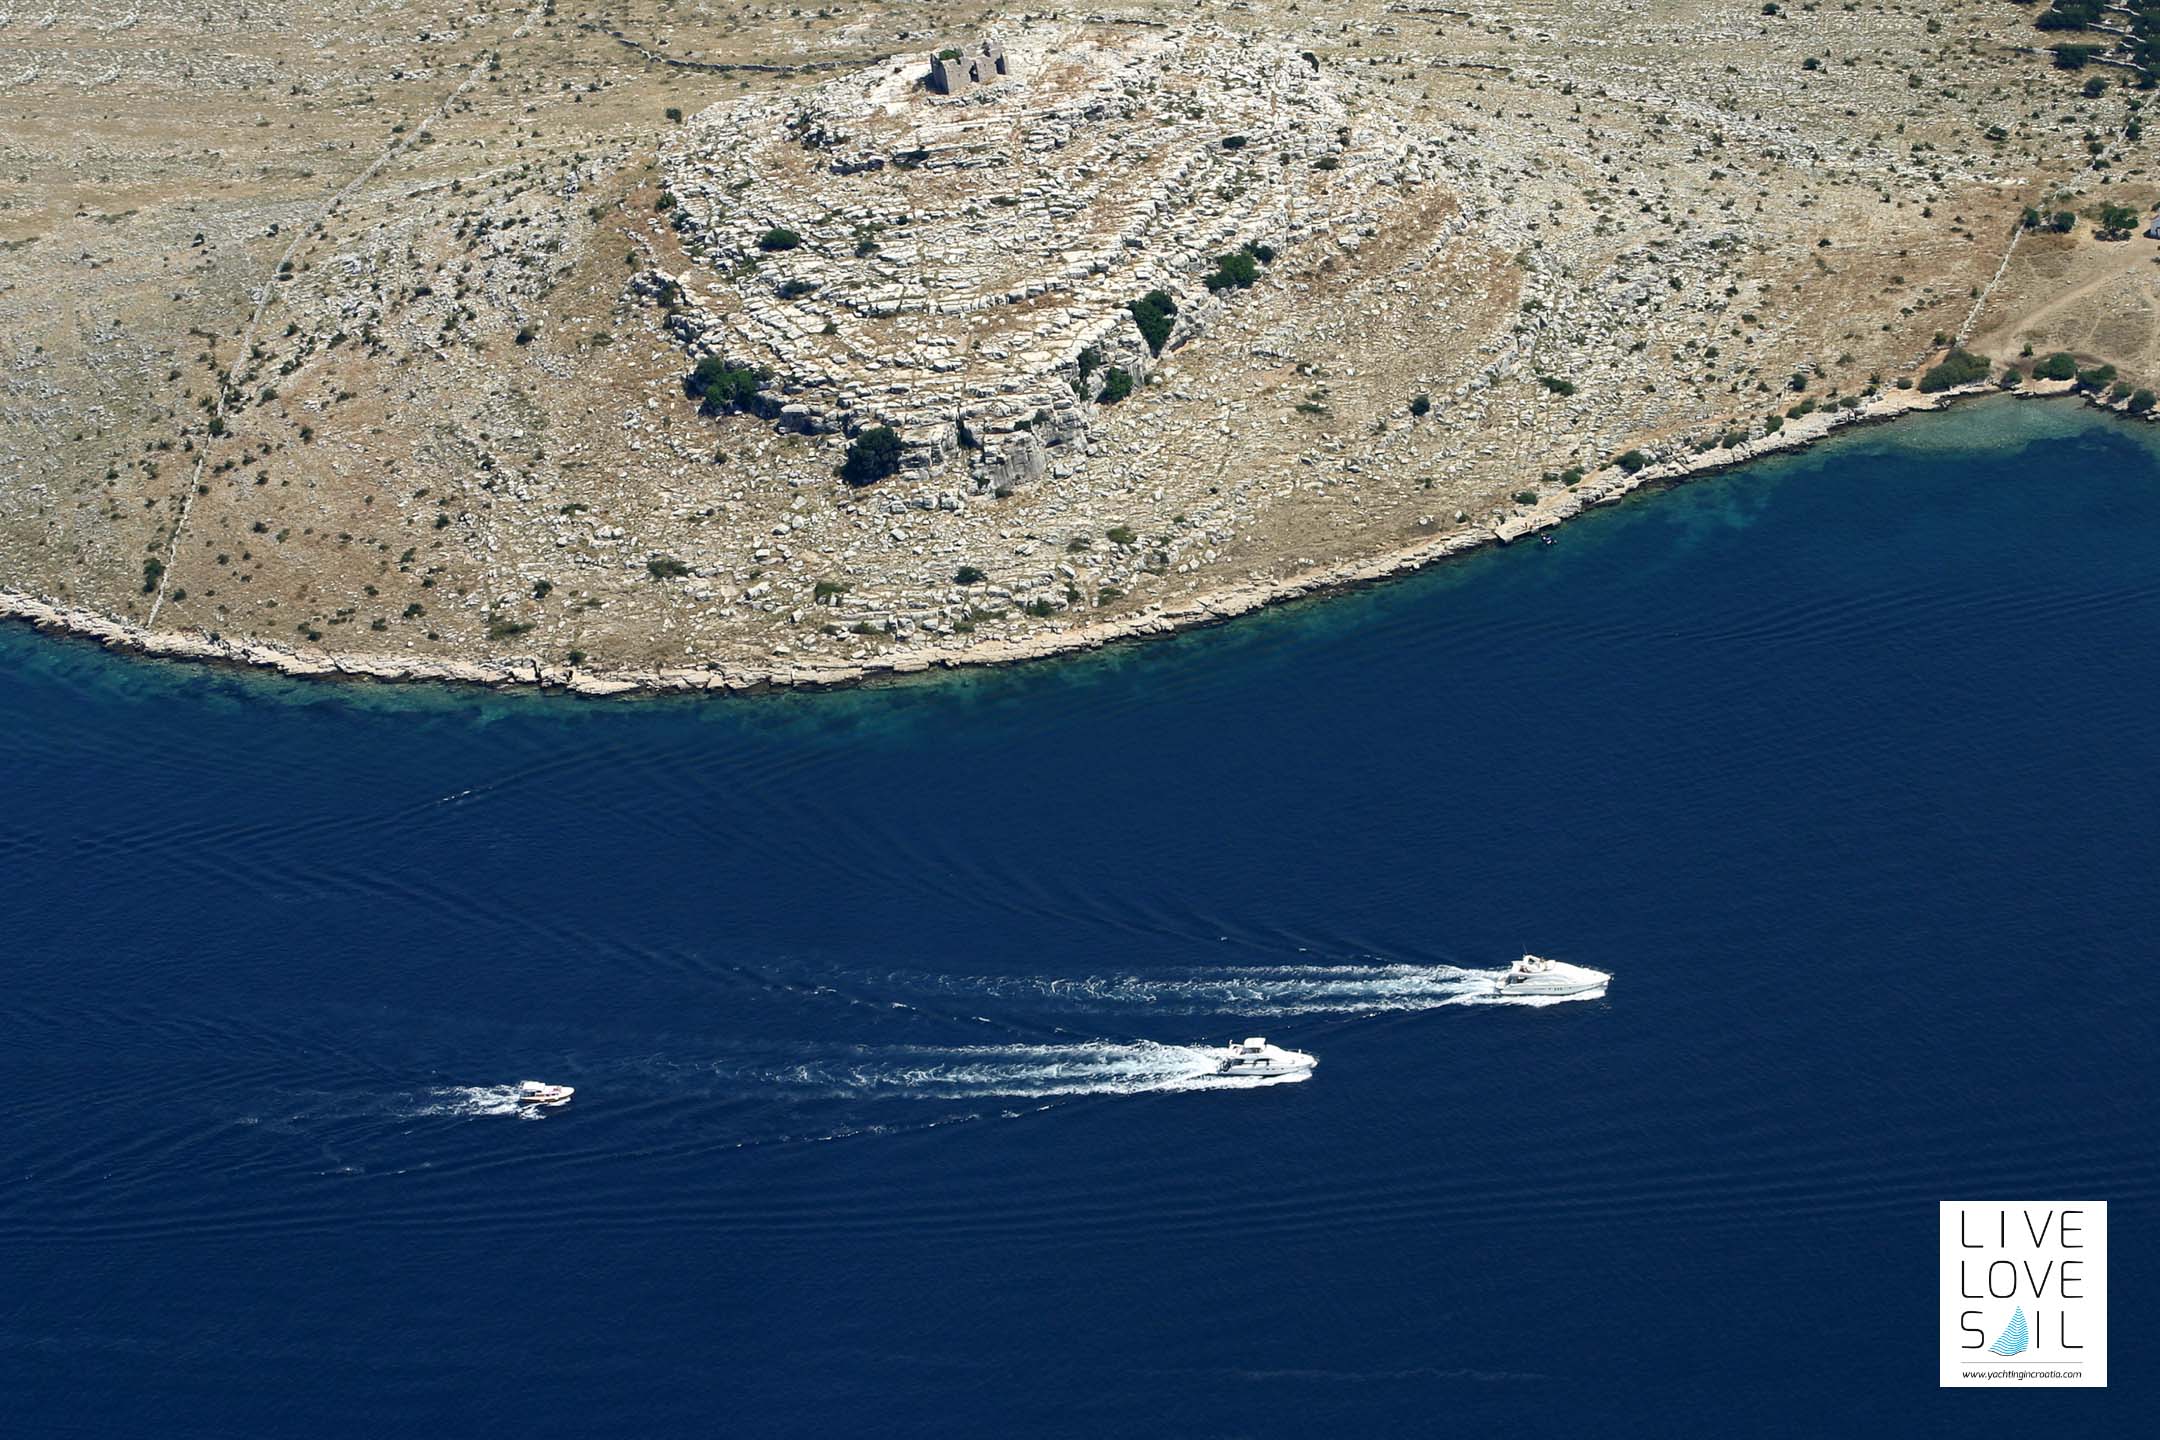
[1255,1059]
[1533,975]
[533,1092]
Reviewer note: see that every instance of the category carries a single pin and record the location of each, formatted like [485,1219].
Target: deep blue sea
[879,1004]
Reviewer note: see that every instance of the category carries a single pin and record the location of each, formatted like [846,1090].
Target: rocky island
[679,346]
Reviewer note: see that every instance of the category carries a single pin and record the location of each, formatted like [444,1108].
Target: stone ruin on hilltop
[962,266]
[952,73]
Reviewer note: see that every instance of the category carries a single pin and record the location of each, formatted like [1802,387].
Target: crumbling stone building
[953,73]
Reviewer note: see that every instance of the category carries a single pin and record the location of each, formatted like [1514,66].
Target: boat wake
[1262,990]
[475,1100]
[1024,1071]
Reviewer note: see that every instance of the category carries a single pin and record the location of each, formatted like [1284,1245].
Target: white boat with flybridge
[1534,976]
[1255,1059]
[535,1092]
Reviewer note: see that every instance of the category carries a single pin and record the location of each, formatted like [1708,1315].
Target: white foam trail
[1024,1071]
[477,1100]
[1271,990]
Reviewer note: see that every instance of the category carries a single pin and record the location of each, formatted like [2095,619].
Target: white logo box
[2023,1291]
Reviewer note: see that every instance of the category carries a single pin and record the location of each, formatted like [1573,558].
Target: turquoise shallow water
[879,1003]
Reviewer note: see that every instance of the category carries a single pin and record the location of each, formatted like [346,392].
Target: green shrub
[968,575]
[2061,365]
[2069,15]
[1959,367]
[1238,270]
[666,567]
[2140,402]
[1526,497]
[778,238]
[1117,384]
[2118,221]
[1121,535]
[1557,385]
[871,456]
[2096,378]
[720,388]
[1155,313]
[1632,461]
[1420,405]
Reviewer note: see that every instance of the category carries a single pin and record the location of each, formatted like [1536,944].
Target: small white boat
[533,1092]
[1534,975]
[1255,1059]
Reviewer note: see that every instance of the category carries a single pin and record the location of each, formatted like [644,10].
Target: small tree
[1117,384]
[1959,367]
[778,238]
[1155,313]
[1239,269]
[871,456]
[2062,365]
[721,388]
[1420,405]
[2117,221]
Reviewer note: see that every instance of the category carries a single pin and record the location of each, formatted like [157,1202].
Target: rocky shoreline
[1602,487]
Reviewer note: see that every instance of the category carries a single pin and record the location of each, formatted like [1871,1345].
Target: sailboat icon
[2013,1339]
